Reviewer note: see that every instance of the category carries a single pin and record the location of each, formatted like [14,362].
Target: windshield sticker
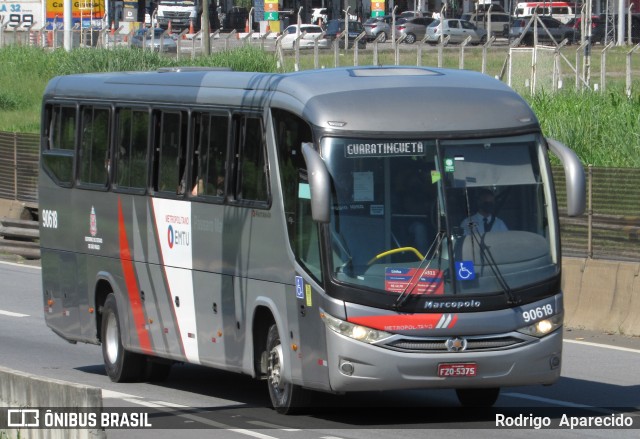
[449,165]
[435,176]
[387,149]
[398,280]
[363,186]
[465,270]
[376,209]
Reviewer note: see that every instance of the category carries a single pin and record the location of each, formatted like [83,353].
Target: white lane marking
[117,395]
[558,402]
[13,314]
[274,426]
[606,346]
[167,405]
[20,265]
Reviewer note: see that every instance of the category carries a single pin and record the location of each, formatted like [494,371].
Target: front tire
[286,398]
[478,397]
[120,364]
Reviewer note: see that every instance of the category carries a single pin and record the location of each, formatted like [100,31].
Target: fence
[610,229]
[19,166]
[528,69]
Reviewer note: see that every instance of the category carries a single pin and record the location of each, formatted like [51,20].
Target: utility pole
[205,27]
[621,21]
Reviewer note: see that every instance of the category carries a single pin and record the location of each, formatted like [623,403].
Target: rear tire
[286,398]
[410,39]
[120,364]
[478,397]
[383,37]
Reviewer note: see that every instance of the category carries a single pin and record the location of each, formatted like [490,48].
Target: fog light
[346,368]
[554,362]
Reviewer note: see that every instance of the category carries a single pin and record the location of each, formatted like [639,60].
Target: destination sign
[384,149]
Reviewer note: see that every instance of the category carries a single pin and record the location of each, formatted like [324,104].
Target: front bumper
[376,368]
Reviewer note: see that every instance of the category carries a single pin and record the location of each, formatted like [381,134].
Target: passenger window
[209,154]
[170,152]
[252,177]
[59,143]
[131,148]
[94,146]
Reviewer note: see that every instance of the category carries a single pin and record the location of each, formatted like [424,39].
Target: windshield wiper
[486,254]
[415,279]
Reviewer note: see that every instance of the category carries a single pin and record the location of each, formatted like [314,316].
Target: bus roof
[367,99]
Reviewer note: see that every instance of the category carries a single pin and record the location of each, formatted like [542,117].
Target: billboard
[87,11]
[21,14]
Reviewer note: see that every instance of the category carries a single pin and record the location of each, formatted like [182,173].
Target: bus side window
[131,148]
[252,175]
[170,152]
[94,146]
[209,155]
[59,143]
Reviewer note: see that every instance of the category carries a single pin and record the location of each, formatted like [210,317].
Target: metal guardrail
[610,229]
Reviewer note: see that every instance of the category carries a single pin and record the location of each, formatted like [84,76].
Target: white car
[307,41]
[458,31]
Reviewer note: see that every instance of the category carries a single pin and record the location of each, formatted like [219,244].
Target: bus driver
[484,220]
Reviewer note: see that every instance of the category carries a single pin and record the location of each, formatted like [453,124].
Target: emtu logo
[170,236]
[177,237]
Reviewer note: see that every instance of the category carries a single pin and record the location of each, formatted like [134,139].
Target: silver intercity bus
[339,230]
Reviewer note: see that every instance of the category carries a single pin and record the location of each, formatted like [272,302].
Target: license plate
[454,370]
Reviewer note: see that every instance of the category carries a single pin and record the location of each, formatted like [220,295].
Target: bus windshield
[440,217]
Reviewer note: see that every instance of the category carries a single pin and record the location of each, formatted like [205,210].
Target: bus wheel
[120,364]
[478,397]
[286,398]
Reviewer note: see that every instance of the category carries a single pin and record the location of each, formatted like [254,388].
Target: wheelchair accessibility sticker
[465,270]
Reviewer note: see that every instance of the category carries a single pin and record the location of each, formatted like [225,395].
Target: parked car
[307,41]
[336,26]
[597,28]
[411,14]
[556,31]
[414,28]
[154,39]
[457,30]
[375,26]
[481,20]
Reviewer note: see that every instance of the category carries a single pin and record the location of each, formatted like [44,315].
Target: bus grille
[473,344]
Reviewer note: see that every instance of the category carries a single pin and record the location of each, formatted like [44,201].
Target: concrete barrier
[23,390]
[602,295]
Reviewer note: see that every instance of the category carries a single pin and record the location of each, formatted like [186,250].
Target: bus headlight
[543,327]
[357,332]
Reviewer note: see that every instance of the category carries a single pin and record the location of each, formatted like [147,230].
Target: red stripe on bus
[402,322]
[132,284]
